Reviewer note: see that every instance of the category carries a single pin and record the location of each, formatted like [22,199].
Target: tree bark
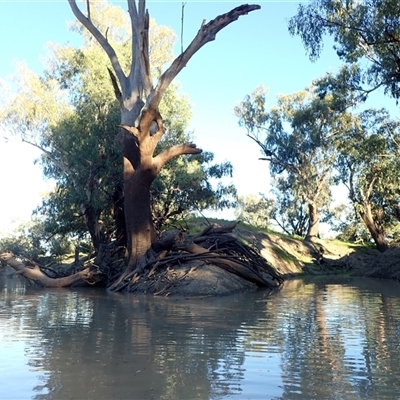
[313,227]
[34,274]
[140,229]
[377,234]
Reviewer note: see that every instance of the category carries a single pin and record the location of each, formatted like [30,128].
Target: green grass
[283,255]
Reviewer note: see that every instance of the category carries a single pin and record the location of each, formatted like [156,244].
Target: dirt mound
[290,256]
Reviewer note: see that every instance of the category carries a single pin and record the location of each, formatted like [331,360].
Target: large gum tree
[228,263]
[141,122]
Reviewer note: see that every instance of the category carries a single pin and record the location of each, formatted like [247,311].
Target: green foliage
[367,29]
[255,210]
[368,165]
[353,230]
[297,139]
[290,212]
[185,187]
[30,240]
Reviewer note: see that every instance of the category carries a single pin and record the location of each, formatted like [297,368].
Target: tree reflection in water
[309,340]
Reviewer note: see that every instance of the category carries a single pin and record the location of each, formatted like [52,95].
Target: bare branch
[88,9]
[182,18]
[273,158]
[174,151]
[63,167]
[206,33]
[139,75]
[87,23]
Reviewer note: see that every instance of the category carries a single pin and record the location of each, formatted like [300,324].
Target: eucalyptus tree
[142,126]
[362,30]
[368,166]
[297,139]
[77,137]
[255,210]
[139,95]
[72,116]
[290,212]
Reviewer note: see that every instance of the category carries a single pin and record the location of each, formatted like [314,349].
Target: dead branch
[32,272]
[206,33]
[88,24]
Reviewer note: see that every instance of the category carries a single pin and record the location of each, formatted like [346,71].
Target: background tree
[255,210]
[349,225]
[290,212]
[368,166]
[30,240]
[367,29]
[186,187]
[296,138]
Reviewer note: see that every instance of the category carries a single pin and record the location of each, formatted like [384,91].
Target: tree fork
[139,101]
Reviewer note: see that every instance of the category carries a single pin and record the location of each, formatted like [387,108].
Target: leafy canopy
[297,138]
[362,30]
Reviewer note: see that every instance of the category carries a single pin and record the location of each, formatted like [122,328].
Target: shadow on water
[312,339]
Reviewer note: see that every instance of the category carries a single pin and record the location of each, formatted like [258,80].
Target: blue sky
[256,49]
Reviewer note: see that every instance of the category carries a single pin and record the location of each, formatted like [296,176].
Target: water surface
[311,340]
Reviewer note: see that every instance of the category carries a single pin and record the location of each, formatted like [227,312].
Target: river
[329,338]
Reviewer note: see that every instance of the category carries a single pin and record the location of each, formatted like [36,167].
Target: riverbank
[289,256]
[294,257]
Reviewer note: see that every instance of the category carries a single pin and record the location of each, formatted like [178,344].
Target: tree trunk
[313,226]
[92,218]
[139,223]
[377,234]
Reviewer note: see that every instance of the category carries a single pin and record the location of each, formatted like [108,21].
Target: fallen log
[32,272]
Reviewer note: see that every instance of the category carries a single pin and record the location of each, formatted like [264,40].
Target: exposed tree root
[211,262]
[213,246]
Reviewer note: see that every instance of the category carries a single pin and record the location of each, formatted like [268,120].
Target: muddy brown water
[314,339]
